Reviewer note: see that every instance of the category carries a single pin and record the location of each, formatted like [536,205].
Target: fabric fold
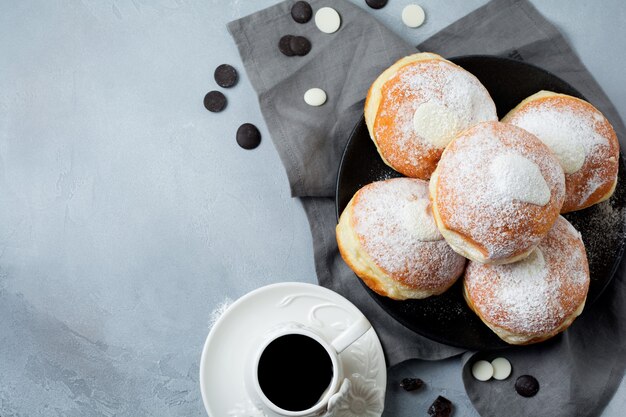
[310,140]
[578,371]
[399,343]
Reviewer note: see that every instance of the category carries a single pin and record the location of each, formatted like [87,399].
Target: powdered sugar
[419,221]
[531,268]
[437,84]
[217,313]
[603,231]
[466,196]
[435,124]
[524,292]
[568,132]
[582,139]
[445,85]
[518,178]
[534,296]
[413,252]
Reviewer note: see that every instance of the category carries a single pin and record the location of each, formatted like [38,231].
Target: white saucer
[247,319]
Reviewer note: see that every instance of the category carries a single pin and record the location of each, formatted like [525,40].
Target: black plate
[446,318]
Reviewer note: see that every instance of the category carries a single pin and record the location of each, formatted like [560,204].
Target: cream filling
[457,242]
[363,265]
[518,178]
[436,124]
[418,220]
[571,154]
[375,93]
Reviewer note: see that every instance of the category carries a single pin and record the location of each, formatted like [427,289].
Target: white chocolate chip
[482,370]
[501,368]
[315,97]
[327,20]
[413,15]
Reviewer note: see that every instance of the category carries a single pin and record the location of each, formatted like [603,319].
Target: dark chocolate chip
[214,101]
[376,4]
[226,76]
[441,407]
[411,384]
[301,12]
[300,45]
[283,45]
[248,136]
[527,386]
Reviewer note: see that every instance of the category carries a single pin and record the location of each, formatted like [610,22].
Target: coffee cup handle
[351,334]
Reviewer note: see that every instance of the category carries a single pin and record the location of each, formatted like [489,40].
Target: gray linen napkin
[580,371]
[343,64]
[310,142]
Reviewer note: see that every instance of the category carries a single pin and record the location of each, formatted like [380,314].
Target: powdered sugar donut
[534,299]
[388,237]
[496,192]
[417,106]
[582,139]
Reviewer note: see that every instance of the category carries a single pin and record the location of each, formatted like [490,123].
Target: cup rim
[332,387]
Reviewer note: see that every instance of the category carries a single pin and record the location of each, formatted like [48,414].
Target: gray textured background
[128,214]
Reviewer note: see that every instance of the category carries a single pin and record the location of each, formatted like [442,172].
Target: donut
[534,299]
[417,106]
[496,192]
[582,139]
[388,237]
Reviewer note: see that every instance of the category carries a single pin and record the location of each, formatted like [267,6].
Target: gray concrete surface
[128,213]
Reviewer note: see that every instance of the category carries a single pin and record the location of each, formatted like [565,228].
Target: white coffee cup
[333,349]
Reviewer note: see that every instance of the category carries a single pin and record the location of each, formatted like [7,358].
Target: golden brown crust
[600,167]
[535,299]
[392,100]
[372,101]
[386,141]
[377,240]
[461,190]
[368,278]
[514,339]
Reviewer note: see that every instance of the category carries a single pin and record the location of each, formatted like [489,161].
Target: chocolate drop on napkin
[441,407]
[300,45]
[590,354]
[527,386]
[376,4]
[284,45]
[301,12]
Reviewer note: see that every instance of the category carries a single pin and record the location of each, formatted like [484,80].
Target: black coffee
[294,372]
